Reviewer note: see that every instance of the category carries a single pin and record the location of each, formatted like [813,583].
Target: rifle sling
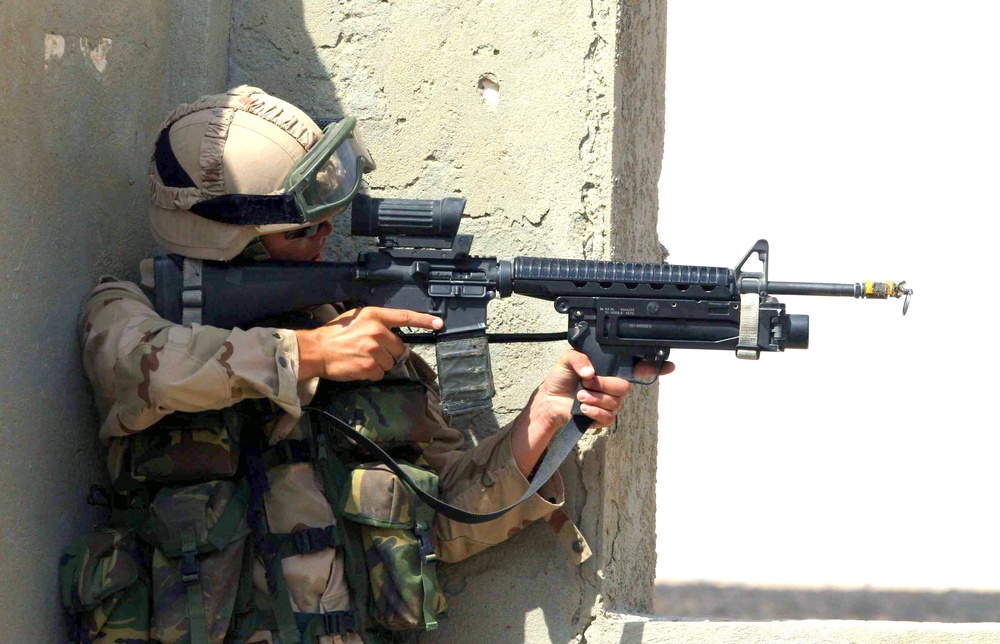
[492,338]
[559,448]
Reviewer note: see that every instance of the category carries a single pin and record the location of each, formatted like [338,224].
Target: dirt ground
[708,601]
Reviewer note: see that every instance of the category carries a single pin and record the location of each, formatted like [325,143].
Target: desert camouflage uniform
[144,368]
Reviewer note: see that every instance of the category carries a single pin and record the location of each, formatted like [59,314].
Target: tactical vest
[175,561]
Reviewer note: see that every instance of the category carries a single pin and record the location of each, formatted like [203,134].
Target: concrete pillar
[547,117]
[84,86]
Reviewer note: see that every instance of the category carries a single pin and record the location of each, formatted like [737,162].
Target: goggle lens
[328,176]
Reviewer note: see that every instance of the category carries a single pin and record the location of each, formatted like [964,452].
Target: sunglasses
[299,233]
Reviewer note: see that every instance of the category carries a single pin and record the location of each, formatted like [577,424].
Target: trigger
[659,358]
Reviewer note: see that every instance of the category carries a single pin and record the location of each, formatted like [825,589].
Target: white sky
[862,139]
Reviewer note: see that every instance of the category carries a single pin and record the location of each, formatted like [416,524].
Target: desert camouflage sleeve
[143,367]
[485,478]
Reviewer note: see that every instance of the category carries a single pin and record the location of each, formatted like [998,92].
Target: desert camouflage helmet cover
[243,142]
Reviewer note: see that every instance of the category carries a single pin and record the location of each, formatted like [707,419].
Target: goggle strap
[169,168]
[250,210]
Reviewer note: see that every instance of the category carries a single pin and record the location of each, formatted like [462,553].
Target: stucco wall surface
[525,109]
[84,86]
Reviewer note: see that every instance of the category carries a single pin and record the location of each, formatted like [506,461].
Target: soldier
[246,176]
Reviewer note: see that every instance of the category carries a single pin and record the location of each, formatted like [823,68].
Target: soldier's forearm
[533,428]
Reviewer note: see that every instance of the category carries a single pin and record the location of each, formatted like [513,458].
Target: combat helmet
[231,167]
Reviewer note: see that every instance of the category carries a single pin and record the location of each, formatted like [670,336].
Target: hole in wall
[489,88]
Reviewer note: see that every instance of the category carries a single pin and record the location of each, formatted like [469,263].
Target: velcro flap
[213,513]
[378,497]
[385,413]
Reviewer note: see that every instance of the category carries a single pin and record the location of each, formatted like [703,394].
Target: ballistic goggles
[321,185]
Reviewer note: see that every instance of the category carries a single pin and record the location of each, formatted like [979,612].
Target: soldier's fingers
[578,363]
[384,358]
[601,417]
[600,399]
[391,342]
[646,370]
[395,318]
[609,385]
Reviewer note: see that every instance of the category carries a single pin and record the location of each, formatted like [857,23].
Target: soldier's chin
[318,257]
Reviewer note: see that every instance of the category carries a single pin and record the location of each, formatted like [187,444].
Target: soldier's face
[307,248]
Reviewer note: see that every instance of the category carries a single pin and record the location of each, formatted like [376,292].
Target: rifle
[619,313]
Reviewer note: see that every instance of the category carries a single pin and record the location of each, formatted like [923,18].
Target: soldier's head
[248,174]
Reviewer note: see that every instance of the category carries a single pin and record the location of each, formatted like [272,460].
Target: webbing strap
[335,477]
[245,612]
[559,448]
[423,519]
[191,578]
[314,625]
[304,541]
[230,522]
[428,573]
[288,631]
[192,296]
[747,348]
[287,452]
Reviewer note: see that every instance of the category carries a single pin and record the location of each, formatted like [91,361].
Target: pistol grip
[581,421]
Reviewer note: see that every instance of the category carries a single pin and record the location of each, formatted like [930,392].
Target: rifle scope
[407,218]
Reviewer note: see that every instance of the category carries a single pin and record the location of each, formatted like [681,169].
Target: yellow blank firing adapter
[885,290]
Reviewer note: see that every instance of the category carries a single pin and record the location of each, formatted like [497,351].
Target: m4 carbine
[619,313]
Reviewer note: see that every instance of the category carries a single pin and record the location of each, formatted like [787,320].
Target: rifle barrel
[814,288]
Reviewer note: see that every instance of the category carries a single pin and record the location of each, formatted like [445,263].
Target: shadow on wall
[290,51]
[746,603]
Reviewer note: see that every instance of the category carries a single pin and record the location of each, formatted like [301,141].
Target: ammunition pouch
[199,533]
[104,587]
[384,526]
[184,447]
[395,531]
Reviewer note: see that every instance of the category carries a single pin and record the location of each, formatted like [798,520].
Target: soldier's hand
[551,405]
[358,344]
[601,396]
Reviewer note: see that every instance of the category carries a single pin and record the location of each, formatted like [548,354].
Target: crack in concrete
[590,622]
[592,50]
[618,531]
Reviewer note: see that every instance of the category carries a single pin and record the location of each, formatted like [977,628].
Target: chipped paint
[98,52]
[55,48]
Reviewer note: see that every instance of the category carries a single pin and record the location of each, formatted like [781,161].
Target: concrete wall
[548,118]
[84,86]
